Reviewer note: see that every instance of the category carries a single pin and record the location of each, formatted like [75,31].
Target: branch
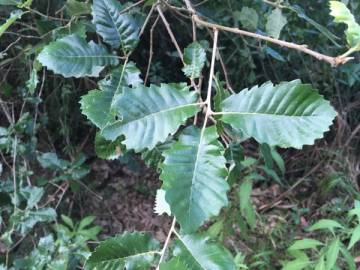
[333,61]
[167,241]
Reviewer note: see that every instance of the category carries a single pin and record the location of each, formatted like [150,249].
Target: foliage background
[320,181]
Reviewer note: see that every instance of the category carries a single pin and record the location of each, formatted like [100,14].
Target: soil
[127,199]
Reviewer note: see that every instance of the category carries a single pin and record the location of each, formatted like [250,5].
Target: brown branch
[171,34]
[333,61]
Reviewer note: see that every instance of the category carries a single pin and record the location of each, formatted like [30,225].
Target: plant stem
[333,61]
[211,75]
[167,241]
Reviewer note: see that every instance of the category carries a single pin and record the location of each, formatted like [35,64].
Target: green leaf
[321,264]
[275,23]
[348,258]
[16,14]
[355,237]
[108,149]
[147,115]
[248,18]
[10,2]
[97,105]
[245,190]
[67,220]
[296,265]
[161,206]
[343,15]
[290,114]
[154,157]
[71,56]
[129,251]
[115,28]
[51,161]
[86,222]
[174,264]
[33,81]
[24,221]
[246,207]
[76,8]
[194,58]
[332,253]
[194,177]
[327,224]
[305,243]
[201,254]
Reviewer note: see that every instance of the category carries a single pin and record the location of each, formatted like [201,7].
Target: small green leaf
[33,81]
[67,220]
[348,258]
[76,8]
[16,14]
[51,161]
[305,243]
[108,149]
[248,18]
[245,193]
[86,222]
[116,28]
[263,112]
[355,237]
[130,251]
[296,265]
[275,23]
[321,264]
[343,15]
[194,58]
[332,253]
[71,56]
[326,224]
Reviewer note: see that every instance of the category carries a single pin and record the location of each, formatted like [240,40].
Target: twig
[147,20]
[132,6]
[333,61]
[167,241]
[171,34]
[151,50]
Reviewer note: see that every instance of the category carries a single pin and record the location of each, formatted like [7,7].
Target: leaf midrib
[158,112]
[195,169]
[84,56]
[265,114]
[151,252]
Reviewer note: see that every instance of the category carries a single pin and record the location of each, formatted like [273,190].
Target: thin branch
[167,241]
[333,61]
[132,6]
[211,75]
[151,50]
[171,34]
